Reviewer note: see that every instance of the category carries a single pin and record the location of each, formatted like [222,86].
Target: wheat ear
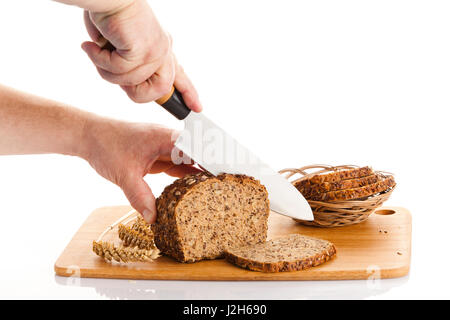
[142,227]
[109,251]
[133,238]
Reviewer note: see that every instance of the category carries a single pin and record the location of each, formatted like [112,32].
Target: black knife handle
[174,103]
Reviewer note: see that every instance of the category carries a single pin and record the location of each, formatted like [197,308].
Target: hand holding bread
[124,153]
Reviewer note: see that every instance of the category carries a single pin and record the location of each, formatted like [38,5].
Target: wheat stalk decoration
[138,243]
[109,252]
[133,238]
[142,227]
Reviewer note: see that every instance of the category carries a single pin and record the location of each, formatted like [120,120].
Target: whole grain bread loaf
[288,253]
[201,215]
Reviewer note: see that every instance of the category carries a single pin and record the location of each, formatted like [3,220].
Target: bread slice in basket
[384,183]
[201,215]
[314,190]
[288,253]
[336,176]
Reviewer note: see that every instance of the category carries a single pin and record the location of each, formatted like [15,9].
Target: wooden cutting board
[377,248]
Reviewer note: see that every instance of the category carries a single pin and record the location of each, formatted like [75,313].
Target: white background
[300,82]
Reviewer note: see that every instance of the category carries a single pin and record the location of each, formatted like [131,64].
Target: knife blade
[217,152]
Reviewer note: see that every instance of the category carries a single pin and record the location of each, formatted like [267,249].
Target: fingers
[160,166]
[154,87]
[107,60]
[92,30]
[187,90]
[132,78]
[141,60]
[143,80]
[166,138]
[180,171]
[167,150]
[135,66]
[172,169]
[140,197]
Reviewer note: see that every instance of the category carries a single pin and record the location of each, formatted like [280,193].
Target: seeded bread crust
[315,252]
[167,238]
[167,232]
[384,184]
[314,190]
[336,176]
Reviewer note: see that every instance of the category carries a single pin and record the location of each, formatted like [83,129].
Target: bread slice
[316,189]
[336,176]
[385,183]
[288,253]
[200,215]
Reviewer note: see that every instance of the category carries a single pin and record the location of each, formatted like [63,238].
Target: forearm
[31,125]
[98,5]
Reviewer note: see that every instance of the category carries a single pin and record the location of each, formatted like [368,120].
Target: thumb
[141,197]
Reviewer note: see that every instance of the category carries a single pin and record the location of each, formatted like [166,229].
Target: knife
[217,152]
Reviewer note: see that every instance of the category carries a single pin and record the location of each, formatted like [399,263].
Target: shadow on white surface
[228,290]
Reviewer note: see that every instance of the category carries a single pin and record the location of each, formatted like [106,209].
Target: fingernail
[83,46]
[147,214]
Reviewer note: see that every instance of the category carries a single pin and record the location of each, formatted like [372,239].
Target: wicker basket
[337,213]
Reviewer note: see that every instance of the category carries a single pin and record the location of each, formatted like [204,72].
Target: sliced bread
[316,189]
[383,184]
[201,215]
[288,253]
[335,176]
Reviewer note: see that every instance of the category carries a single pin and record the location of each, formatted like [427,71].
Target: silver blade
[217,152]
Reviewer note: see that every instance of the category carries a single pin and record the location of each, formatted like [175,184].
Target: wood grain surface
[377,248]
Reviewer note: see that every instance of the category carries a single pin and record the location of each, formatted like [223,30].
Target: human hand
[125,152]
[142,62]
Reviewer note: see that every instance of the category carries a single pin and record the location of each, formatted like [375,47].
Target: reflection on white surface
[228,290]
